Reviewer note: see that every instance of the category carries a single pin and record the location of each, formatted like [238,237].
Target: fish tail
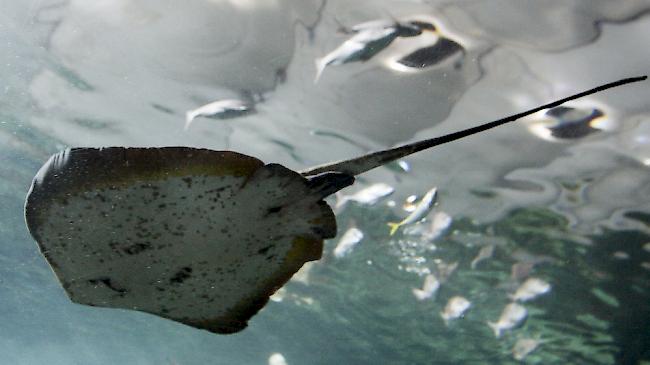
[394,227]
[321,63]
[189,117]
[419,294]
[495,328]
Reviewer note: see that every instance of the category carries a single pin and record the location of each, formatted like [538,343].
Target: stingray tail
[394,227]
[495,328]
[358,165]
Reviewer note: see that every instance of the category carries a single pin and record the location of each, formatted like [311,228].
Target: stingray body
[197,236]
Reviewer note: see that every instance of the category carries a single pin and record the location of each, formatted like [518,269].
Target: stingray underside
[198,236]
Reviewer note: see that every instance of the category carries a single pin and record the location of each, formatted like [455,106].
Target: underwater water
[562,196]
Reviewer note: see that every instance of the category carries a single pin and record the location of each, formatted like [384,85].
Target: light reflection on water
[125,72]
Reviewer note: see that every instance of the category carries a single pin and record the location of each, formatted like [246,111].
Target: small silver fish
[531,289]
[277,359]
[220,109]
[522,255]
[421,210]
[455,308]
[485,253]
[513,314]
[368,39]
[369,195]
[429,288]
[349,239]
[523,347]
[520,270]
[445,270]
[439,224]
[621,255]
[361,47]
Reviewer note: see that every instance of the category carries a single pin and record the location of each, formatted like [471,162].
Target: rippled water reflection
[562,196]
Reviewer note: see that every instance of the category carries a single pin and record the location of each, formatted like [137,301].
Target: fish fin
[394,227]
[495,328]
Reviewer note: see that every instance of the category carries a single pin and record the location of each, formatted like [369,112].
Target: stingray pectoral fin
[359,165]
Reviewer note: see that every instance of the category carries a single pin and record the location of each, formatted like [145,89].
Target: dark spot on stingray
[181,275]
[274,210]
[188,181]
[137,248]
[264,250]
[108,283]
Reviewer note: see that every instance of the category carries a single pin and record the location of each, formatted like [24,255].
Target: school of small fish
[430,227]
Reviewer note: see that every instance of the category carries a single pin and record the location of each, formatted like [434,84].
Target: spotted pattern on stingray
[197,236]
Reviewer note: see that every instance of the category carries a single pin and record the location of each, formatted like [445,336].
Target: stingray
[197,236]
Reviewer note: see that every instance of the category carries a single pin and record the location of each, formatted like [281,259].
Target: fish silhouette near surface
[369,39]
[220,109]
[197,236]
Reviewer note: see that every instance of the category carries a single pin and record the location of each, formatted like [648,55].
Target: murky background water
[563,196]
